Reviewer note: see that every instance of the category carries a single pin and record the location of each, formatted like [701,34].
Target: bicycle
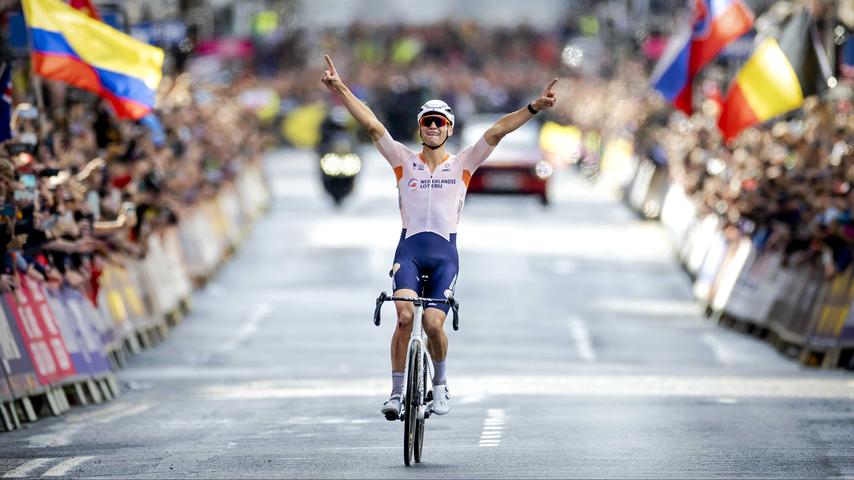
[416,405]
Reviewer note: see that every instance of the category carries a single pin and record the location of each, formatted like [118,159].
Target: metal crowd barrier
[58,348]
[795,307]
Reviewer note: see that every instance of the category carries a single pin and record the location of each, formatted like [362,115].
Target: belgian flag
[776,79]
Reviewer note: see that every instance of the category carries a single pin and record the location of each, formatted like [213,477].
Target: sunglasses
[429,121]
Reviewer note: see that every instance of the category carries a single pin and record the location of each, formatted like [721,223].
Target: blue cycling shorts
[427,253]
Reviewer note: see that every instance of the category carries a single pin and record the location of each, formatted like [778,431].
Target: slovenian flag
[69,46]
[776,79]
[715,24]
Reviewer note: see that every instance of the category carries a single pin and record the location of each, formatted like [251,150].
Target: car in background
[516,166]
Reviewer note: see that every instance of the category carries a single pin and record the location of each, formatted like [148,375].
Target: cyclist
[431,190]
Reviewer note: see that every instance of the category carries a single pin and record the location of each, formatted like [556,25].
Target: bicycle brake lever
[379,306]
[455,307]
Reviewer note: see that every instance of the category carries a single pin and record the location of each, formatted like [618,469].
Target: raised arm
[514,120]
[357,109]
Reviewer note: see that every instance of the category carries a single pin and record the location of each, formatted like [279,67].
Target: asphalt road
[580,354]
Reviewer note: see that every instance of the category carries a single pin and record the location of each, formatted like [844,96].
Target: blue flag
[6,103]
[158,135]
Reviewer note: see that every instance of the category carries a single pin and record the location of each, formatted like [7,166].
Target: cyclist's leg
[442,282]
[406,282]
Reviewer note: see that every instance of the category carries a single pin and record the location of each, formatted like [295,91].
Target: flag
[5,101]
[155,129]
[87,7]
[776,79]
[69,46]
[715,24]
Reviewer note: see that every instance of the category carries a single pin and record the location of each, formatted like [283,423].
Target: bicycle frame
[414,421]
[417,335]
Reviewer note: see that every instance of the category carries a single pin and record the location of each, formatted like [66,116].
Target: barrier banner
[102,325]
[799,291]
[733,268]
[762,281]
[5,388]
[78,311]
[17,366]
[639,186]
[180,280]
[71,335]
[711,264]
[677,214]
[833,311]
[814,292]
[112,307]
[783,305]
[230,208]
[845,332]
[744,291]
[122,300]
[702,237]
[40,333]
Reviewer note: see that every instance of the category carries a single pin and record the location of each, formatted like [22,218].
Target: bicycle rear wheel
[410,419]
[419,424]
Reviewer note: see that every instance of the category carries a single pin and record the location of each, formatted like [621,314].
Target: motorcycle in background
[339,162]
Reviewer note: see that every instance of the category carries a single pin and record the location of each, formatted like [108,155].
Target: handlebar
[384,297]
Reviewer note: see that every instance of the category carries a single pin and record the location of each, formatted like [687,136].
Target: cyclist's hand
[330,77]
[547,98]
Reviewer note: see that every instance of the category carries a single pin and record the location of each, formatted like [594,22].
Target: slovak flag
[5,101]
[715,24]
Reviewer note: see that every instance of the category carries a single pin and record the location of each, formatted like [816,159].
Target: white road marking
[581,337]
[471,399]
[723,353]
[662,307]
[24,470]
[563,267]
[62,468]
[256,316]
[61,434]
[493,425]
[607,384]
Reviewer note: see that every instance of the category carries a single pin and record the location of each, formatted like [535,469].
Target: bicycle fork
[418,337]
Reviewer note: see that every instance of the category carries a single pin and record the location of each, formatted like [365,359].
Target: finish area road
[581,353]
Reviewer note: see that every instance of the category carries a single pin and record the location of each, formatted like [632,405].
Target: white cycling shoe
[441,399]
[391,408]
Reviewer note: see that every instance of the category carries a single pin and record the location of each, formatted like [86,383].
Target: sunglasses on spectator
[429,121]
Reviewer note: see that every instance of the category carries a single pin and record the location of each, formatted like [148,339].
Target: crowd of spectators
[395,68]
[786,184]
[81,187]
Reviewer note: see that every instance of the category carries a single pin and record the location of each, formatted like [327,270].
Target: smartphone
[26,195]
[16,148]
[29,181]
[31,113]
[129,208]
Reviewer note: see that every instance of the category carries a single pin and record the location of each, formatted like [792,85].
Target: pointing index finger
[551,84]
[331,66]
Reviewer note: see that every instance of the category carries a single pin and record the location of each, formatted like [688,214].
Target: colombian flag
[715,24]
[70,46]
[776,79]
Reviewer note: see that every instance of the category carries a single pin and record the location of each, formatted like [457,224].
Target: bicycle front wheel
[419,423]
[410,419]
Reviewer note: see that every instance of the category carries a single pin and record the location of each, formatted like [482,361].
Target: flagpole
[823,61]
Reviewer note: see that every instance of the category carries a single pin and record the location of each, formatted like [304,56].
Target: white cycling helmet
[436,106]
